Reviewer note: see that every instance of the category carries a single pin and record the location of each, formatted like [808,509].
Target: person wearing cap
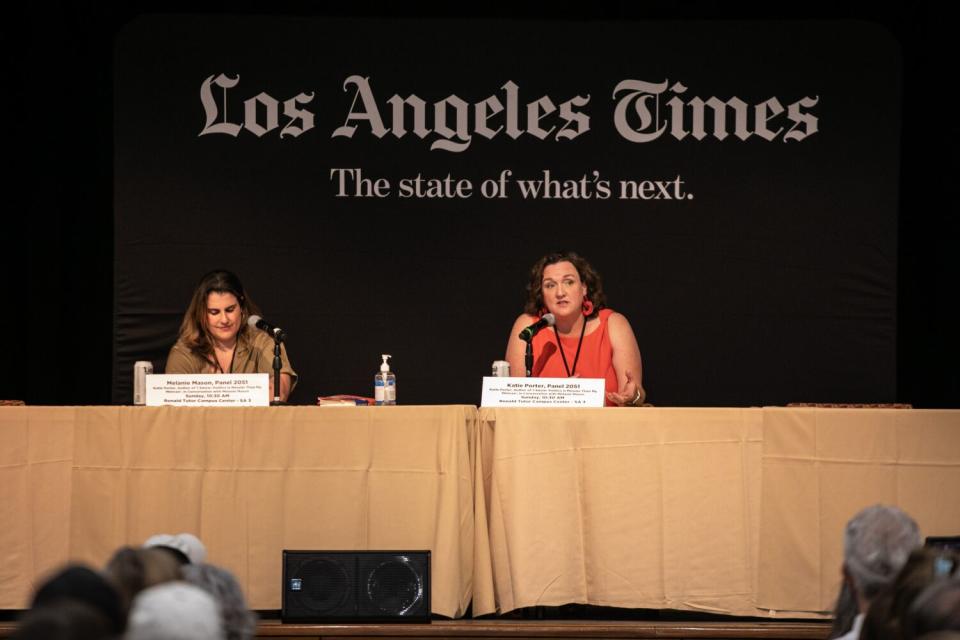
[876,544]
[215,336]
[186,547]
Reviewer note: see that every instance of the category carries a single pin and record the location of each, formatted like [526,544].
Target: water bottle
[141,369]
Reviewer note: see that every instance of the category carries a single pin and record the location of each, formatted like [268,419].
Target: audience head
[888,613]
[83,585]
[66,620]
[877,542]
[239,623]
[174,611]
[936,609]
[134,569]
[186,547]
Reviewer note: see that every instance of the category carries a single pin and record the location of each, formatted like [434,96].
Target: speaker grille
[321,585]
[356,586]
[394,587]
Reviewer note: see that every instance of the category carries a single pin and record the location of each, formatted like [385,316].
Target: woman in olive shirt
[214,336]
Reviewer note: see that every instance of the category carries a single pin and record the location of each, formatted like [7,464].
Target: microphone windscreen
[550,319]
[253,320]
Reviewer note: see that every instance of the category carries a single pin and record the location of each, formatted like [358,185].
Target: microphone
[259,323]
[547,320]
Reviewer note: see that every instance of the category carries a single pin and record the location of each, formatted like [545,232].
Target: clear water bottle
[385,384]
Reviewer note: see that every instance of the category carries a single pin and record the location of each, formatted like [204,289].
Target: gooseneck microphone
[548,320]
[257,322]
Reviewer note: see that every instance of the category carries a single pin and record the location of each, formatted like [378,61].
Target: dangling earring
[587,308]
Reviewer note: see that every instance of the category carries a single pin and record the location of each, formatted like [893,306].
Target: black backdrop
[62,62]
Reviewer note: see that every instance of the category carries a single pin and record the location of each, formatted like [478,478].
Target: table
[622,507]
[820,466]
[78,482]
[722,510]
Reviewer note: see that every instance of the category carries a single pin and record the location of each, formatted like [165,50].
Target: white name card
[208,390]
[543,392]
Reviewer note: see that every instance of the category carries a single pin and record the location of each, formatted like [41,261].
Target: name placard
[542,392]
[209,390]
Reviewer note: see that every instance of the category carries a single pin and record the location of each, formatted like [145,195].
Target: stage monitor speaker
[356,586]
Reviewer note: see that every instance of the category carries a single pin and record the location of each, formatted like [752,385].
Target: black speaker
[356,586]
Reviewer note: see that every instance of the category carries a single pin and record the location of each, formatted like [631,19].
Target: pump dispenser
[385,384]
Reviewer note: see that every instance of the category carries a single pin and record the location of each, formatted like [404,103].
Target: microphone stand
[277,363]
[528,357]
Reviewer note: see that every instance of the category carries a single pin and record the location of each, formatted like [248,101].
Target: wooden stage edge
[551,629]
[478,629]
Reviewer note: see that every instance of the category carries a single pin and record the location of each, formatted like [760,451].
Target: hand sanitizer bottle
[385,384]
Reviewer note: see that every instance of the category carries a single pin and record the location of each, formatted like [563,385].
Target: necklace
[576,358]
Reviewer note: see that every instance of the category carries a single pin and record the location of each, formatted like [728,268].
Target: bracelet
[636,399]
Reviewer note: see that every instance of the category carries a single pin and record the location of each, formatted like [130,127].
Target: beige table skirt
[78,482]
[734,511]
[623,507]
[820,466]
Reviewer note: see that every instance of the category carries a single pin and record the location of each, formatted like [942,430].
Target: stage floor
[477,629]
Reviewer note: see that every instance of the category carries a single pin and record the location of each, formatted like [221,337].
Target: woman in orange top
[587,341]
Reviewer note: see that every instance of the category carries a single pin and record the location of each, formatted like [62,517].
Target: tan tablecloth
[76,483]
[625,507]
[661,508]
[821,466]
[735,511]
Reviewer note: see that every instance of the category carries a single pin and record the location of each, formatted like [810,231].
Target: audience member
[887,616]
[936,609]
[877,542]
[239,623]
[80,584]
[134,569]
[186,547]
[174,611]
[65,620]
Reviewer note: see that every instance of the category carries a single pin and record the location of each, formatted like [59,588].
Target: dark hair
[79,583]
[133,569]
[844,611]
[193,330]
[884,620]
[66,620]
[588,276]
[937,608]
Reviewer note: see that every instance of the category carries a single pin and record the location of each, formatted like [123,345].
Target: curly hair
[588,276]
[239,623]
[193,330]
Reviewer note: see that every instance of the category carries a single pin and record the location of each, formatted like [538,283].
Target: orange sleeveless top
[596,354]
